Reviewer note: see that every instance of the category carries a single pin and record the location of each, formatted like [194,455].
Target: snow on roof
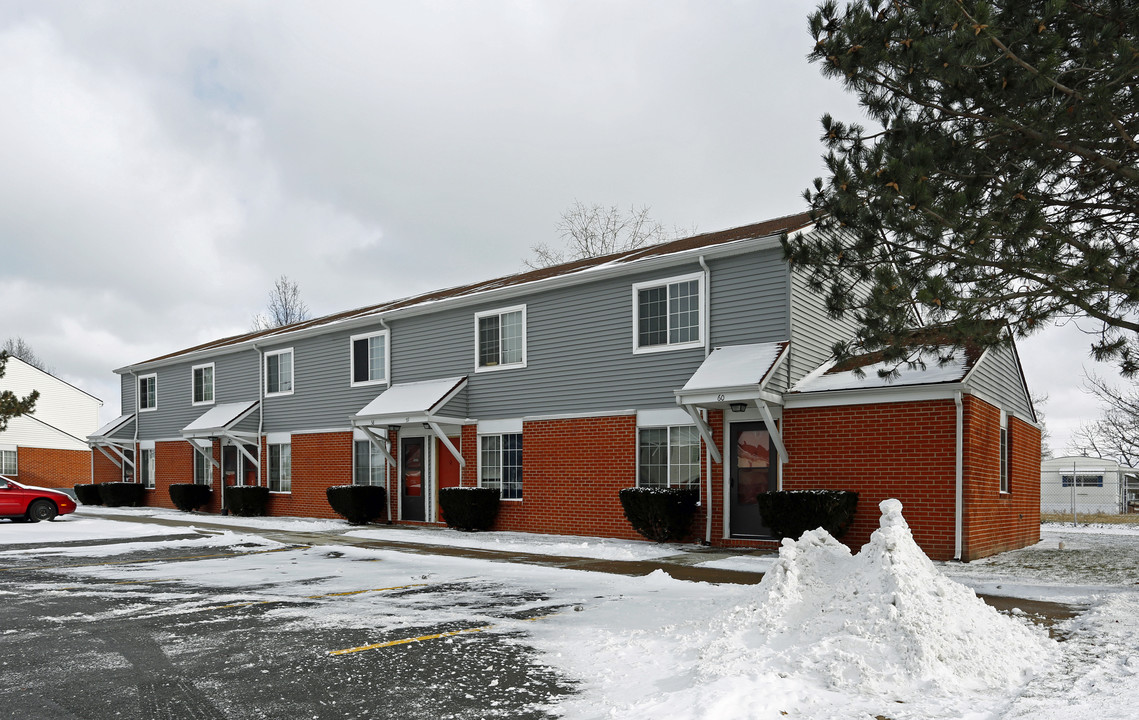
[113,426]
[734,366]
[768,228]
[414,398]
[831,376]
[219,417]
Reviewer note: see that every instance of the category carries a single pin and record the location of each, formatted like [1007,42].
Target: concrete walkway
[682,566]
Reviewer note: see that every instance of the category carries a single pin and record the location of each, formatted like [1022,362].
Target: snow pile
[884,621]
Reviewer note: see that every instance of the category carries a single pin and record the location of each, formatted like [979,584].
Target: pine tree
[11,405]
[1002,181]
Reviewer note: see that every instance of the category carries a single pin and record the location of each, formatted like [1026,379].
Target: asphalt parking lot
[172,631]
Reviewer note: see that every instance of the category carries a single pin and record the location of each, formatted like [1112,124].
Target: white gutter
[137,422]
[959,478]
[261,406]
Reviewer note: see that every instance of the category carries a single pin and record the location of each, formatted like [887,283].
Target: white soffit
[415,398]
[219,417]
[734,366]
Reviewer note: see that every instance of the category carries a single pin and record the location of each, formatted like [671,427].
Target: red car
[27,502]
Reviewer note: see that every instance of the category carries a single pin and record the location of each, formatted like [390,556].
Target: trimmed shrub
[190,496]
[118,494]
[88,494]
[660,514]
[246,500]
[790,513]
[358,504]
[469,508]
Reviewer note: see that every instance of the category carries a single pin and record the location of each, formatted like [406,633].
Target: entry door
[448,469]
[750,472]
[412,476]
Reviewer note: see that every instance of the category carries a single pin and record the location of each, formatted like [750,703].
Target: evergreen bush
[88,494]
[190,496]
[246,500]
[469,508]
[118,494]
[358,504]
[660,514]
[790,513]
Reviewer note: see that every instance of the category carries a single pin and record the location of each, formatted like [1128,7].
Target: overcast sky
[161,163]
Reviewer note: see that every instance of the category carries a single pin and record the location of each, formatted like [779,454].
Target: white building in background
[1087,485]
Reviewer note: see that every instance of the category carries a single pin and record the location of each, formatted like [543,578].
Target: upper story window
[148,392]
[279,372]
[203,382]
[370,358]
[667,314]
[500,339]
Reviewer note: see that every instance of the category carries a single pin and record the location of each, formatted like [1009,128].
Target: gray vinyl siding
[235,380]
[580,355]
[998,376]
[127,389]
[813,331]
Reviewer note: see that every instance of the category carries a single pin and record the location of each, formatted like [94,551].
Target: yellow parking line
[405,641]
[361,592]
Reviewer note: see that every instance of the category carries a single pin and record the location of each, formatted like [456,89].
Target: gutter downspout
[137,422]
[387,432]
[959,478]
[260,408]
[707,351]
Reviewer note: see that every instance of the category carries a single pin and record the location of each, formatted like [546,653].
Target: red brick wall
[53,468]
[105,470]
[320,461]
[995,521]
[887,450]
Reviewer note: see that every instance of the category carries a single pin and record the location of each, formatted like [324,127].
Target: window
[280,468]
[146,467]
[667,314]
[203,469]
[203,384]
[500,339]
[1081,480]
[128,466]
[668,456]
[368,466]
[8,462]
[148,392]
[370,358]
[1006,454]
[279,372]
[500,464]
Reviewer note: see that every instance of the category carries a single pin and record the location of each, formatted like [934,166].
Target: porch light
[738,407]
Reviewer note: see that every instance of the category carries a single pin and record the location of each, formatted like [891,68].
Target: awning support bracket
[772,429]
[705,431]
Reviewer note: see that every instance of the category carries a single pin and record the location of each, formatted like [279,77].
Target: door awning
[410,403]
[219,420]
[730,375]
[116,436]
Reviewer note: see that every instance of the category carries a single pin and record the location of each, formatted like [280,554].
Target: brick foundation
[52,468]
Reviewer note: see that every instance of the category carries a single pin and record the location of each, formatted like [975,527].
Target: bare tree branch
[593,230]
[285,306]
[19,348]
[1115,435]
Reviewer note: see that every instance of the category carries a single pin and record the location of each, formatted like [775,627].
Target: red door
[448,469]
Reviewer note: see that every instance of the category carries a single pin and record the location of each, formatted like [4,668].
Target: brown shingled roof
[788,223]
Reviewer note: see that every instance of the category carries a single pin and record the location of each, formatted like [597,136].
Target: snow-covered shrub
[358,504]
[469,508]
[117,494]
[88,494]
[246,500]
[190,496]
[790,513]
[660,514]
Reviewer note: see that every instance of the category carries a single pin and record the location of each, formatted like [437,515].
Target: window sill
[496,368]
[201,404]
[368,383]
[638,350]
[142,410]
[278,394]
[280,492]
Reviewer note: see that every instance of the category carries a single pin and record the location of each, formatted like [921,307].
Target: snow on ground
[884,633]
[76,527]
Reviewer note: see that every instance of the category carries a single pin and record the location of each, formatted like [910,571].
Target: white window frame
[193,383]
[15,451]
[1005,450]
[144,473]
[292,371]
[700,314]
[500,312]
[522,479]
[374,456]
[386,335]
[286,480]
[201,460]
[668,454]
[138,392]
